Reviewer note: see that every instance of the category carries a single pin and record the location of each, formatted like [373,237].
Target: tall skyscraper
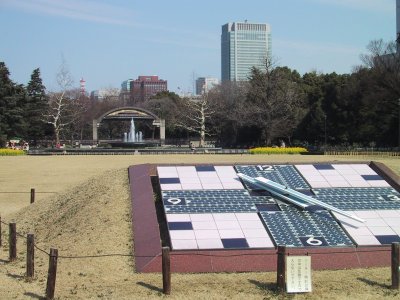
[243,46]
[398,24]
[205,84]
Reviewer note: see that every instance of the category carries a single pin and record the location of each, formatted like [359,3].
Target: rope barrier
[203,254]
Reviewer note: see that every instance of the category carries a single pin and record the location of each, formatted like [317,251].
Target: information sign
[298,274]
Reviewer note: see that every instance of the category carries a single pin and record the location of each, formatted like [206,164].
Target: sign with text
[298,274]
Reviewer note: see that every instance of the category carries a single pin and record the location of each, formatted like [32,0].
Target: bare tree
[384,59]
[195,116]
[63,109]
[274,101]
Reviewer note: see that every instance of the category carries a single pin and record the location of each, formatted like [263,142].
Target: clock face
[211,207]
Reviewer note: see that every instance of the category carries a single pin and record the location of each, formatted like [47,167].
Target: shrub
[276,150]
[11,152]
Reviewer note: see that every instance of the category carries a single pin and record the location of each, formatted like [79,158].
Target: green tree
[12,105]
[37,103]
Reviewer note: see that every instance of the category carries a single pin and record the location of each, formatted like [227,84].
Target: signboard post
[298,274]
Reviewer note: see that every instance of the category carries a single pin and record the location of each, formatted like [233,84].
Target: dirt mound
[90,219]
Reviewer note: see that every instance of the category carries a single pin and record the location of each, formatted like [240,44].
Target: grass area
[83,208]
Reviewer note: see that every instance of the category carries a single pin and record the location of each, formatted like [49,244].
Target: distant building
[205,84]
[243,46]
[126,85]
[102,94]
[145,87]
[125,95]
[398,24]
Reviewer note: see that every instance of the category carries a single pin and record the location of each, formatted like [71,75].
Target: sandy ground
[83,208]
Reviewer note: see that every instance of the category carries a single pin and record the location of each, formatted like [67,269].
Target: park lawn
[83,208]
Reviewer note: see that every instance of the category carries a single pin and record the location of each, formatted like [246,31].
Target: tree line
[276,104]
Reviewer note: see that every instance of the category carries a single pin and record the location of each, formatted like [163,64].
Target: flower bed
[276,150]
[11,152]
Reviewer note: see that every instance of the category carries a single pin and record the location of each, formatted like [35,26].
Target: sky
[109,41]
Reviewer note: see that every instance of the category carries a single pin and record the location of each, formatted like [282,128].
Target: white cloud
[83,10]
[385,6]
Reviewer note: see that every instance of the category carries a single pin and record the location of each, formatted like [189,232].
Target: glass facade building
[243,46]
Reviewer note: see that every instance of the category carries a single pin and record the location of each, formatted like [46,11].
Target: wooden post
[51,276]
[395,266]
[281,269]
[32,196]
[166,270]
[0,234]
[12,238]
[30,255]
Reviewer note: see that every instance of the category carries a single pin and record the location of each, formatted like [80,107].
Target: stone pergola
[126,114]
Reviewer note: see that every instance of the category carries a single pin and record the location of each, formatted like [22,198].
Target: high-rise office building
[243,46]
[205,84]
[398,24]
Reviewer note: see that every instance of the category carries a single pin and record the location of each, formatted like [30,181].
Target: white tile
[228,224]
[210,244]
[319,184]
[375,222]
[225,171]
[206,234]
[367,214]
[315,178]
[202,217]
[182,234]
[260,243]
[206,180]
[231,233]
[247,216]
[211,174]
[255,233]
[329,172]
[388,214]
[358,231]
[251,224]
[189,180]
[184,244]
[349,172]
[361,167]
[224,217]
[178,217]
[396,229]
[381,230]
[356,177]
[167,172]
[212,186]
[339,183]
[392,221]
[191,186]
[170,187]
[233,186]
[361,183]
[203,225]
[341,167]
[365,240]
[350,223]
[187,170]
[378,183]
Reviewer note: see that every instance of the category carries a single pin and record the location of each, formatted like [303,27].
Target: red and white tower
[83,86]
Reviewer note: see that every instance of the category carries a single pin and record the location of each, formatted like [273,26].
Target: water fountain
[132,136]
